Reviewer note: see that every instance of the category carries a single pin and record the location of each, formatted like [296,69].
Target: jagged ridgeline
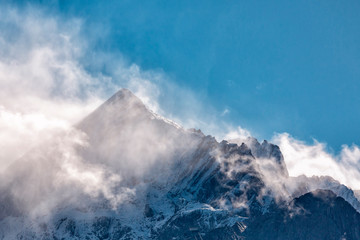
[124,172]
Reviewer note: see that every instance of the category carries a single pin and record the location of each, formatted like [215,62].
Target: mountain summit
[124,172]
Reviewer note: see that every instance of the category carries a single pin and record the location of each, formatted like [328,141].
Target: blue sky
[279,66]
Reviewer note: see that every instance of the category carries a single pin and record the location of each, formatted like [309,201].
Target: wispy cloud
[311,159]
[225,112]
[238,133]
[315,159]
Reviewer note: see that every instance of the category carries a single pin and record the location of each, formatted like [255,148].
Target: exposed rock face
[301,185]
[315,215]
[186,186]
[267,151]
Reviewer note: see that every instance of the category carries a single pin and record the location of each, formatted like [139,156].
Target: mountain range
[124,172]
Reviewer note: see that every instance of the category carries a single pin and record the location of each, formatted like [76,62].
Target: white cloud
[225,112]
[314,159]
[239,133]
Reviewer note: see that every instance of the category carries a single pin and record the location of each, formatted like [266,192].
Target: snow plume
[314,159]
[45,89]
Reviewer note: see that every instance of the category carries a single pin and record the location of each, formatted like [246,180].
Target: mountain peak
[123,96]
[121,107]
[124,93]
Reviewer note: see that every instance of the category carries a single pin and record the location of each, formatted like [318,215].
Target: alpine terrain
[124,172]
